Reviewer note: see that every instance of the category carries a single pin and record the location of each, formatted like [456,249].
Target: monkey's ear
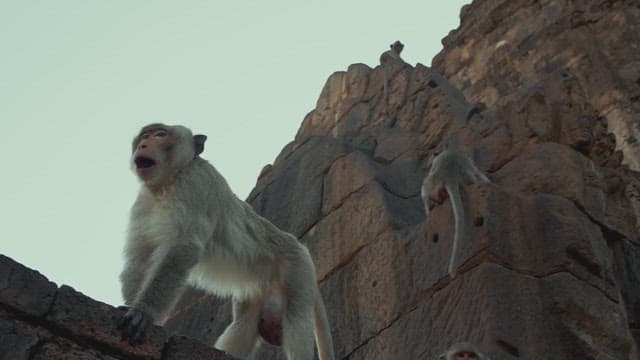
[198,141]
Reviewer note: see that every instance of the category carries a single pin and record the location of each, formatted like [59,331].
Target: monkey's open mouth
[144,162]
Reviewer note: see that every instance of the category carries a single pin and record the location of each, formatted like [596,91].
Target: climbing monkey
[393,54]
[450,170]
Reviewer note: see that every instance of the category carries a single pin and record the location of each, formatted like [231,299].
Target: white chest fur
[225,276]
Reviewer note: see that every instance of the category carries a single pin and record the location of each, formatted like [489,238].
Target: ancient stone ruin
[545,97]
[39,320]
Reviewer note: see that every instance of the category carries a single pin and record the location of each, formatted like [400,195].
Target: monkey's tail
[425,197]
[322,331]
[384,82]
[458,214]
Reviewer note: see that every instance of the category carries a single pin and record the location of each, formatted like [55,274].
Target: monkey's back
[242,248]
[451,165]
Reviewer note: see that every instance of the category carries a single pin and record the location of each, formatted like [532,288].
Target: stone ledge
[39,320]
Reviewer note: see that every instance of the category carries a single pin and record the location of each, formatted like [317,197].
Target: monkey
[187,227]
[449,170]
[463,351]
[393,54]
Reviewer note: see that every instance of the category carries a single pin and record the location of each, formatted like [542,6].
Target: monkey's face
[149,153]
[397,47]
[161,151]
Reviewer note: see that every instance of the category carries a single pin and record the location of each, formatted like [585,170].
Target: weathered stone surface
[543,96]
[24,289]
[556,169]
[16,339]
[368,292]
[627,267]
[346,175]
[63,350]
[503,48]
[505,314]
[86,318]
[40,321]
[342,233]
[183,348]
[292,196]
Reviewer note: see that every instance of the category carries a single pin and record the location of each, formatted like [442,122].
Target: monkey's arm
[131,278]
[132,275]
[162,284]
[166,277]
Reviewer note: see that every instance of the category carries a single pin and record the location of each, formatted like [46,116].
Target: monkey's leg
[385,84]
[240,338]
[476,176]
[298,338]
[131,279]
[324,341]
[298,322]
[482,177]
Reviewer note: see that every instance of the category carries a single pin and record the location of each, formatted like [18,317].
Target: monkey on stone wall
[393,54]
[187,226]
[450,170]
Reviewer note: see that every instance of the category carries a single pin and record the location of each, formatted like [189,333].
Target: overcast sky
[79,78]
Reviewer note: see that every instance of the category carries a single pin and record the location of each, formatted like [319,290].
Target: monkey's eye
[160,133]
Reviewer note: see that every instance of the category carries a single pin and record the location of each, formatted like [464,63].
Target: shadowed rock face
[39,320]
[566,61]
[544,97]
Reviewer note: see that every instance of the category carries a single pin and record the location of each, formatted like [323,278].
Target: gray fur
[393,54]
[193,229]
[450,170]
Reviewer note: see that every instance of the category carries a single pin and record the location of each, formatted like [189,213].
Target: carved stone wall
[544,96]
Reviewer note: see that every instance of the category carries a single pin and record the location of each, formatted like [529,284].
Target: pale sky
[78,78]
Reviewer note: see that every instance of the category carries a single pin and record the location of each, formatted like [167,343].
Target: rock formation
[552,60]
[41,321]
[544,96]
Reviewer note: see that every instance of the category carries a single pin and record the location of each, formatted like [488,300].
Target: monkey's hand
[135,325]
